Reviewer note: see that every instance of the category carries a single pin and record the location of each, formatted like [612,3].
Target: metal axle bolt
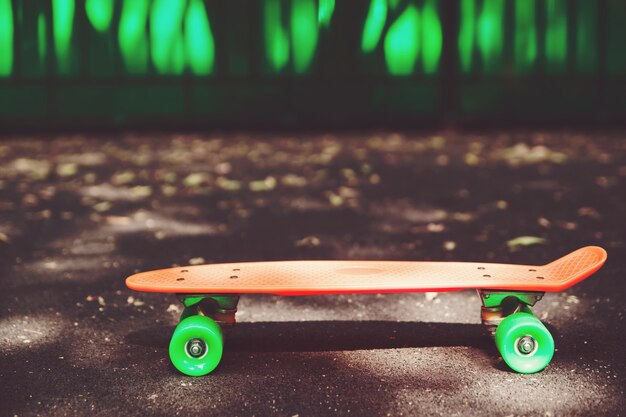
[196,348]
[526,345]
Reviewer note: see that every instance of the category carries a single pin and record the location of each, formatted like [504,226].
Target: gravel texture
[79,213]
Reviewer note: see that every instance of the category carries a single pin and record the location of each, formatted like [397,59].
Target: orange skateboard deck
[335,277]
[210,294]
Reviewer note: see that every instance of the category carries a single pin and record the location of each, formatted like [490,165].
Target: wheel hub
[526,345]
[196,348]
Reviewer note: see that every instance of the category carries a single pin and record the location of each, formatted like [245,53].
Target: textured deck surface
[336,277]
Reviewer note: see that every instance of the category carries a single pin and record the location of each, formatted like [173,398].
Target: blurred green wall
[67,63]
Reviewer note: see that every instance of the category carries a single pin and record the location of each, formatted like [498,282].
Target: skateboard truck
[219,307]
[497,305]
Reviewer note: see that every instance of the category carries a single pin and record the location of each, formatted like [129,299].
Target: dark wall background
[289,63]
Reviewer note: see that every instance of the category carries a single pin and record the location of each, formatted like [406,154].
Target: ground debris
[196,261]
[123,177]
[267,184]
[67,170]
[173,308]
[572,299]
[430,296]
[141,191]
[522,154]
[449,245]
[293,180]
[589,212]
[435,227]
[335,200]
[228,184]
[134,301]
[102,206]
[521,241]
[308,242]
[35,169]
[195,179]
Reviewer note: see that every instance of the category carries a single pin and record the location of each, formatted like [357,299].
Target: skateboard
[210,294]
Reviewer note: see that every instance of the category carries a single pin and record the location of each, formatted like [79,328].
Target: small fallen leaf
[521,241]
[170,177]
[449,245]
[267,184]
[194,180]
[196,261]
[463,217]
[102,206]
[471,159]
[308,242]
[173,308]
[228,184]
[502,205]
[50,264]
[67,170]
[223,168]
[435,227]
[122,178]
[141,191]
[572,299]
[335,200]
[292,180]
[36,169]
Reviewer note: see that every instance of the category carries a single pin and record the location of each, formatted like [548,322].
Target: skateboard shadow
[314,336]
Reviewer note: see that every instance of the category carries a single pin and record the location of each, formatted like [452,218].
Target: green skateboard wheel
[196,346]
[525,343]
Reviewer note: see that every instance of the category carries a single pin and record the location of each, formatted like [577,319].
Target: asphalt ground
[80,212]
